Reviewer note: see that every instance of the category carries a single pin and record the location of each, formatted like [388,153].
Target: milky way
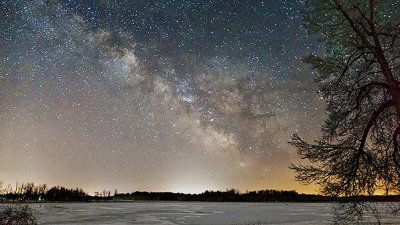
[174,95]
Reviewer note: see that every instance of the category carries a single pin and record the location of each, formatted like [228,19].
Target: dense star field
[173,95]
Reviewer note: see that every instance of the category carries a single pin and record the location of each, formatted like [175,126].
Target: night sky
[173,95]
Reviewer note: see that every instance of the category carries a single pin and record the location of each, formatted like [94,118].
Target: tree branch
[370,123]
[396,147]
[352,24]
[366,88]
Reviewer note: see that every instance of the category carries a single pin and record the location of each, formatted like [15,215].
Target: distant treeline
[231,195]
[29,192]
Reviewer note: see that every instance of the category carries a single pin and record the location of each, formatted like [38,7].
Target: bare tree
[358,75]
[8,189]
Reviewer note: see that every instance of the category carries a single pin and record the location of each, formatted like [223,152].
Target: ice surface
[174,213]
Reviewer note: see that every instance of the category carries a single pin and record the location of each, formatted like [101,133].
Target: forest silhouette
[29,192]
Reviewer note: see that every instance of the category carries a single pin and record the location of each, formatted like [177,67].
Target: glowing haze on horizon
[173,95]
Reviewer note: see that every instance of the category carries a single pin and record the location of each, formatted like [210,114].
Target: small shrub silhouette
[18,215]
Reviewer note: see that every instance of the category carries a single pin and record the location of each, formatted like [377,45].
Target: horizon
[4,185]
[162,95]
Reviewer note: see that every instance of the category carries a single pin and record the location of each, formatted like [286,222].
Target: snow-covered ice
[174,213]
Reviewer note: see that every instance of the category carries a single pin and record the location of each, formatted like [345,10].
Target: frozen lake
[171,213]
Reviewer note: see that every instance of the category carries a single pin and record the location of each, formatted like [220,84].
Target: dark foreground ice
[171,213]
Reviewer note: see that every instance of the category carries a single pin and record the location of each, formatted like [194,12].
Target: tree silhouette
[358,76]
